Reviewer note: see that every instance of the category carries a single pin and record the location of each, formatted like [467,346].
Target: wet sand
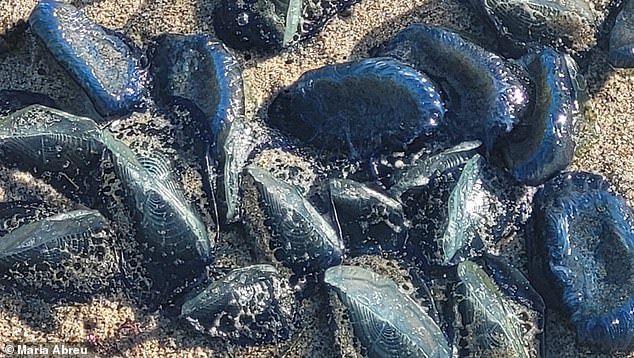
[115,324]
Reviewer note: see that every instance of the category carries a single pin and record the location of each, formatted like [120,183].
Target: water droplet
[242,19]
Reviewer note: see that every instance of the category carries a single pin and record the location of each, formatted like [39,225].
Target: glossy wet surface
[120,327]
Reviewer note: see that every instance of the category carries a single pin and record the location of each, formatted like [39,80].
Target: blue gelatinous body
[104,65]
[621,52]
[387,321]
[168,226]
[46,239]
[40,139]
[513,283]
[300,237]
[197,72]
[460,210]
[490,321]
[542,144]
[78,246]
[359,107]
[250,305]
[556,23]
[269,25]
[486,95]
[370,221]
[422,167]
[583,246]
[249,25]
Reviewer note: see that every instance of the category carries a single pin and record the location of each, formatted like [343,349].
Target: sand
[115,325]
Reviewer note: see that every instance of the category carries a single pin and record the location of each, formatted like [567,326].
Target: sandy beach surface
[115,324]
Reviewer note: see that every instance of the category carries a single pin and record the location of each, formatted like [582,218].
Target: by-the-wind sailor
[488,322]
[582,257]
[234,146]
[555,23]
[542,144]
[16,213]
[370,221]
[170,227]
[465,208]
[300,237]
[462,210]
[41,139]
[422,167]
[250,305]
[44,239]
[485,94]
[101,62]
[68,255]
[359,107]
[269,25]
[387,322]
[621,52]
[197,72]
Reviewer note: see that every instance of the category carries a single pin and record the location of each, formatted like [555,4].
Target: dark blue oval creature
[556,23]
[40,139]
[460,211]
[514,284]
[371,222]
[269,25]
[359,108]
[582,255]
[485,94]
[250,305]
[169,227]
[621,52]
[387,322]
[448,213]
[494,321]
[101,62]
[71,255]
[45,139]
[423,167]
[198,73]
[49,238]
[542,144]
[300,237]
